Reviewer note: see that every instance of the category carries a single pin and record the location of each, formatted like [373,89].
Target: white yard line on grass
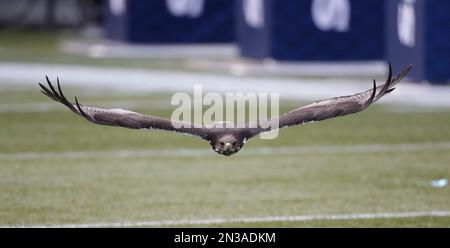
[292,218]
[370,148]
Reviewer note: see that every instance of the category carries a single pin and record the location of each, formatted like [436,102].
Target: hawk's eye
[234,143]
[221,143]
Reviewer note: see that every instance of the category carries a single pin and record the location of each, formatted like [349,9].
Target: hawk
[226,140]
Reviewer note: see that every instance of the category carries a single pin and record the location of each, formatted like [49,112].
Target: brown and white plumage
[115,116]
[223,140]
[339,106]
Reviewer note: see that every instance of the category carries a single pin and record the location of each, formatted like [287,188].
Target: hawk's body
[225,140]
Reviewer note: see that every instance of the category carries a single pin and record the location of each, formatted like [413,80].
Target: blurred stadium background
[385,167]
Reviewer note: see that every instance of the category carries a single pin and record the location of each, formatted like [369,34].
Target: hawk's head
[227,144]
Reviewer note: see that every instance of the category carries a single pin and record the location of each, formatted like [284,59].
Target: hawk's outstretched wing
[337,106]
[316,111]
[120,117]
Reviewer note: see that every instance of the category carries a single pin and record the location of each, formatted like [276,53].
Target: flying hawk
[226,140]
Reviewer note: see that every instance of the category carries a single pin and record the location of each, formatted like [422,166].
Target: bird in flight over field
[226,140]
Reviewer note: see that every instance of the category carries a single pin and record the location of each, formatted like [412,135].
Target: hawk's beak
[227,145]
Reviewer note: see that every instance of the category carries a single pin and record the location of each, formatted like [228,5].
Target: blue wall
[425,25]
[291,32]
[146,21]
[300,30]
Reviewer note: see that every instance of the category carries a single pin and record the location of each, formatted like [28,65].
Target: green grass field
[54,169]
[44,47]
[112,189]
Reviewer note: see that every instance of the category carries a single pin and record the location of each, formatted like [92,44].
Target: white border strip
[293,218]
[371,148]
[51,106]
[147,80]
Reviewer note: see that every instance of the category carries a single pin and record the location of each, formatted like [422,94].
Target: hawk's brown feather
[317,111]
